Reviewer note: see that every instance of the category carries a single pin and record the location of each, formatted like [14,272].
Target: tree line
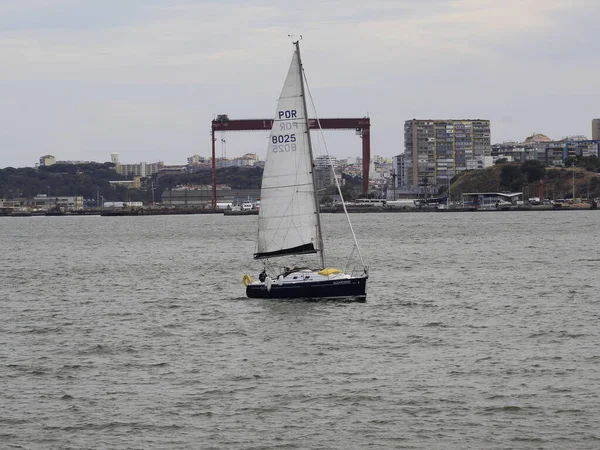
[88,180]
[92,181]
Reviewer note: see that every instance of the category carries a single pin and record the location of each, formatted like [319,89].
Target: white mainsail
[288,220]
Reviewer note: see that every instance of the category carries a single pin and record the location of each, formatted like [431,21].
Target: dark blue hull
[340,288]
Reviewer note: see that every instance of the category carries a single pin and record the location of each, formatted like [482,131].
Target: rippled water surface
[480,331]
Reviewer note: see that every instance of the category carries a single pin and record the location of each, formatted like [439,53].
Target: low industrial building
[45,202]
[202,198]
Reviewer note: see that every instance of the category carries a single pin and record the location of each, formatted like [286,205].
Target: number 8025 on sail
[284,143]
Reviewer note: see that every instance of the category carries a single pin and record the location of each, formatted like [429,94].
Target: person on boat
[262,276]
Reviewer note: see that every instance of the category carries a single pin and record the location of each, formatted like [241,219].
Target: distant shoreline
[325,210]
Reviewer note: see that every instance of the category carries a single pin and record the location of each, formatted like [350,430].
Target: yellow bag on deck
[329,271]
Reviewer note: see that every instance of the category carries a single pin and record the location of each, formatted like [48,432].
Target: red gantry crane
[362,127]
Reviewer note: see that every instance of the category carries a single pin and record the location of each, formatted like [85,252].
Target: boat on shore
[248,208]
[240,212]
[21,212]
[116,212]
[405,203]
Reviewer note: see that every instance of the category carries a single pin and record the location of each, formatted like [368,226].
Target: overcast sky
[80,79]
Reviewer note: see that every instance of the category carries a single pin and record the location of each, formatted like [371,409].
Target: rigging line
[337,184]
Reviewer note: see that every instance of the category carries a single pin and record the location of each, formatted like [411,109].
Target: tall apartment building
[437,150]
[595,129]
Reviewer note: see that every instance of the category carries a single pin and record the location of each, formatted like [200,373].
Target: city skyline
[145,78]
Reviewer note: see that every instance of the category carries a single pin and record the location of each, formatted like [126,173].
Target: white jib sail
[287,222]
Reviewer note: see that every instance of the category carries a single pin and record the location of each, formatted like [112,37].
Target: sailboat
[289,221]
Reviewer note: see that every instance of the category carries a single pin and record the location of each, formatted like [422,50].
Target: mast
[312,161]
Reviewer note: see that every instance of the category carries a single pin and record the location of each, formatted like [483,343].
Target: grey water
[480,331]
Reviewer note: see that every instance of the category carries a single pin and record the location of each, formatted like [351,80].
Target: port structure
[362,126]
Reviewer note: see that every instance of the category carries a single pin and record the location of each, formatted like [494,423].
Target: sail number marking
[287,114]
[284,143]
[281,138]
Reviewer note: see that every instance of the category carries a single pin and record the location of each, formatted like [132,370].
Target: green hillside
[511,177]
